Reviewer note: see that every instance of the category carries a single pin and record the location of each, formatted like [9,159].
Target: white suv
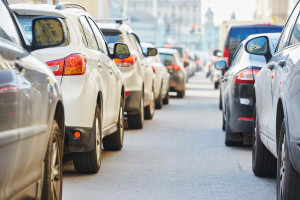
[138,74]
[92,85]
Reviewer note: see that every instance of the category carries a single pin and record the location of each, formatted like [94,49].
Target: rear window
[167,59]
[112,36]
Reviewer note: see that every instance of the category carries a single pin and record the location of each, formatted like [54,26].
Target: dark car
[237,89]
[178,74]
[236,34]
[277,109]
[31,113]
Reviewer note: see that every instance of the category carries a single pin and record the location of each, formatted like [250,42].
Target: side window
[89,35]
[99,37]
[283,41]
[237,56]
[8,29]
[295,36]
[136,44]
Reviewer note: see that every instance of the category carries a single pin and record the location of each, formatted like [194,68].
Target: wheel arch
[59,117]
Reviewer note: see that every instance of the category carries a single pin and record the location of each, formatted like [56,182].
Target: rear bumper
[85,143]
[132,102]
[177,82]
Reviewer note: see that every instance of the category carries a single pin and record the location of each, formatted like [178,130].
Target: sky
[244,9]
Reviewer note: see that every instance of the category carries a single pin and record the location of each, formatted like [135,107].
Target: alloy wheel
[152,103]
[98,141]
[282,171]
[56,170]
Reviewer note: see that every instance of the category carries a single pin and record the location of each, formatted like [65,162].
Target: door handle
[281,63]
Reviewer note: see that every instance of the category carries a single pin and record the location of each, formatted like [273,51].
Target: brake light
[246,76]
[74,64]
[8,89]
[153,70]
[126,62]
[127,93]
[226,53]
[174,67]
[246,118]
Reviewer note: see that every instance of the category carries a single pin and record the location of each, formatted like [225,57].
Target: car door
[114,94]
[283,66]
[277,65]
[100,69]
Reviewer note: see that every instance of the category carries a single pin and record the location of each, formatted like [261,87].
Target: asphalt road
[180,154]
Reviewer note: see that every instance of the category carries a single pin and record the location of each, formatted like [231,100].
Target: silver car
[31,113]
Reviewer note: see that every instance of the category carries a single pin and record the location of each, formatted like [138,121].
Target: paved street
[180,154]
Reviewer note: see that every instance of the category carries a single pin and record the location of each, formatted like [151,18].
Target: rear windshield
[167,59]
[180,50]
[237,35]
[112,36]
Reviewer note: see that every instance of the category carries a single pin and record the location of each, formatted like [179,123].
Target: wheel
[220,101]
[216,85]
[288,180]
[137,121]
[231,138]
[115,141]
[90,162]
[263,162]
[180,94]
[224,122]
[166,99]
[52,183]
[159,101]
[149,110]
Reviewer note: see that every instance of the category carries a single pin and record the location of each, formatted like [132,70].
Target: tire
[220,102]
[216,85]
[90,162]
[228,133]
[159,101]
[137,121]
[149,110]
[224,122]
[288,180]
[180,94]
[263,162]
[114,142]
[166,99]
[52,187]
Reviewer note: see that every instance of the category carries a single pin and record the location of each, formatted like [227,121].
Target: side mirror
[47,32]
[121,51]
[217,53]
[186,64]
[221,65]
[259,46]
[151,51]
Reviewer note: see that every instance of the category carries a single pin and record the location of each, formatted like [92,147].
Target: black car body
[237,90]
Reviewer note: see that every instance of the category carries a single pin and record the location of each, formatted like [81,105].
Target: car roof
[44,9]
[166,50]
[254,26]
[146,44]
[115,26]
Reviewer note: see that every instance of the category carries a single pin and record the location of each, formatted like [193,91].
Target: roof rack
[117,20]
[65,5]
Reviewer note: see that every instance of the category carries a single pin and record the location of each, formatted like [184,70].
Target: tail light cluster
[246,76]
[226,55]
[173,67]
[153,70]
[127,62]
[74,64]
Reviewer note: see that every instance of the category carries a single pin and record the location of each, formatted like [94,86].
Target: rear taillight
[246,76]
[226,53]
[127,93]
[74,64]
[8,89]
[127,62]
[173,67]
[153,69]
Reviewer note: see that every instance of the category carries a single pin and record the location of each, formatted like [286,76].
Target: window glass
[295,36]
[8,29]
[89,35]
[167,59]
[287,29]
[136,45]
[99,37]
[238,55]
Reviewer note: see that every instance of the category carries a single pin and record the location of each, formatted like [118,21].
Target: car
[138,75]
[178,74]
[237,89]
[236,34]
[162,77]
[32,127]
[276,135]
[92,85]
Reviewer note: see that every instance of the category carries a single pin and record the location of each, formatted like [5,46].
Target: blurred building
[164,21]
[211,33]
[275,10]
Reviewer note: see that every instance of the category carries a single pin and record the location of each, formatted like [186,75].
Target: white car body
[101,83]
